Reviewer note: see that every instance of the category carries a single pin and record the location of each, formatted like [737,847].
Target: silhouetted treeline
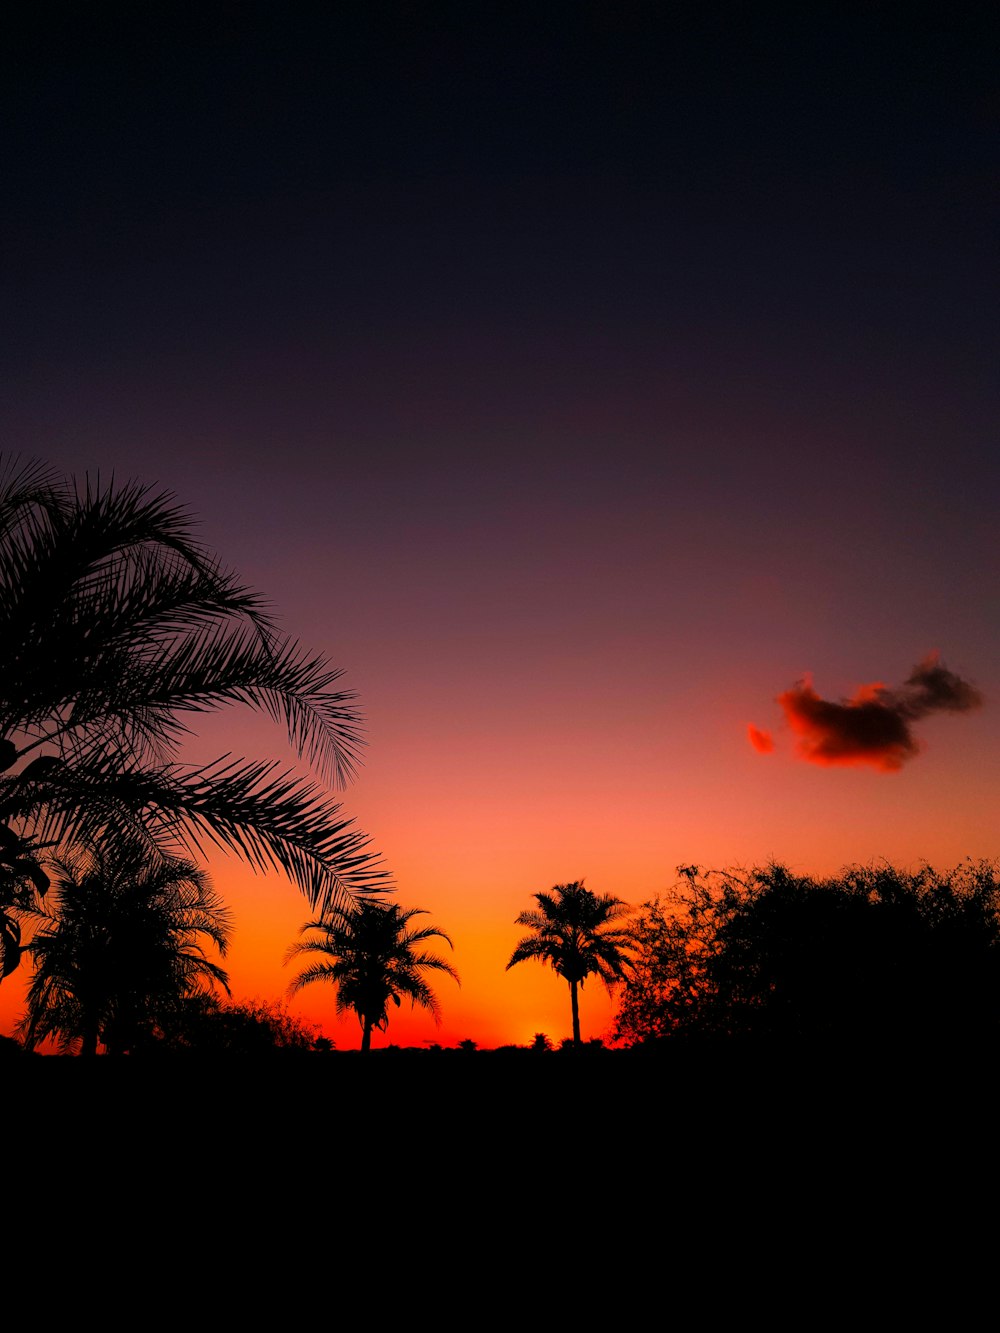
[204,1025]
[872,957]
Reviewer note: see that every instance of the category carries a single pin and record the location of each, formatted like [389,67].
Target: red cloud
[762,741]
[864,730]
[875,726]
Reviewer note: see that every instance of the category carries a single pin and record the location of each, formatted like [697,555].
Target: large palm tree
[371,954]
[119,943]
[575,932]
[115,625]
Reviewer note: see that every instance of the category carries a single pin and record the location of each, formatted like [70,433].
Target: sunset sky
[580,379]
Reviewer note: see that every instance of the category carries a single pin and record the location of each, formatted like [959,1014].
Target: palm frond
[269,816]
[118,626]
[529,947]
[317,972]
[27,490]
[101,626]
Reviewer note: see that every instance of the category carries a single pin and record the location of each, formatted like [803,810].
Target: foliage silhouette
[116,624]
[574,931]
[23,883]
[873,956]
[371,954]
[203,1025]
[118,945]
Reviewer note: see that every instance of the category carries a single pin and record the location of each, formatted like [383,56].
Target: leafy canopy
[875,954]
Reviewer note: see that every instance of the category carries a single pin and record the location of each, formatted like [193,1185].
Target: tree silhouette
[574,931]
[370,953]
[875,956]
[116,623]
[23,883]
[118,944]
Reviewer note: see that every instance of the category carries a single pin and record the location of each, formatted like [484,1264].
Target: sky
[590,382]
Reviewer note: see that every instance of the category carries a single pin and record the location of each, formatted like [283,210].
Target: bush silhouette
[873,955]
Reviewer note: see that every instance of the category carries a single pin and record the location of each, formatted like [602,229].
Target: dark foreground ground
[637,1092]
[754,1166]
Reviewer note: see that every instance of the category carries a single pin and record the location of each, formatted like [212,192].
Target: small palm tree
[118,944]
[574,931]
[370,953]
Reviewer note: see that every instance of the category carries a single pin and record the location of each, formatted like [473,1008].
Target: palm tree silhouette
[119,943]
[372,956]
[23,883]
[116,623]
[573,931]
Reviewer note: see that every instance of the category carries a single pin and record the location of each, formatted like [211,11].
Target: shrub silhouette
[873,955]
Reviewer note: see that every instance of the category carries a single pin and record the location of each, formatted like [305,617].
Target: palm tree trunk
[576,1013]
[88,1042]
[366,1035]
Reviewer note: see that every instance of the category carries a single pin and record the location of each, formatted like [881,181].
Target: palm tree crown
[116,624]
[371,954]
[574,931]
[121,941]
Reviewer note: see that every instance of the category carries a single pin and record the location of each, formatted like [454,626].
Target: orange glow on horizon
[472,820]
